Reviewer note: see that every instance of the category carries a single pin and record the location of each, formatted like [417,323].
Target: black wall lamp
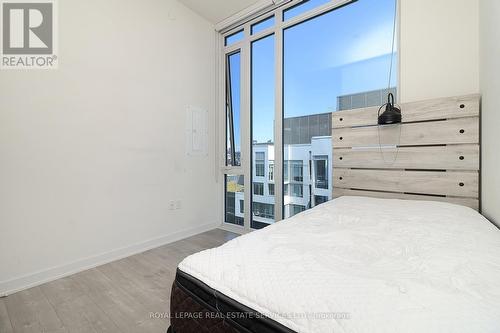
[391,115]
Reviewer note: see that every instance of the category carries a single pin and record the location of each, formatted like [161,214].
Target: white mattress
[392,265]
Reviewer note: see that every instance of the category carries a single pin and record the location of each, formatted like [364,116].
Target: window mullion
[278,125]
[246,125]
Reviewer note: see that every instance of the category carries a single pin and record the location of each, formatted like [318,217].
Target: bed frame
[438,157]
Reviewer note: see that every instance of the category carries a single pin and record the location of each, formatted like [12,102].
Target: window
[258,188]
[333,55]
[234,38]
[262,119]
[260,156]
[263,210]
[319,199]
[295,209]
[294,190]
[260,168]
[301,8]
[234,191]
[242,207]
[233,147]
[331,62]
[321,172]
[271,171]
[295,169]
[262,25]
[271,189]
[260,161]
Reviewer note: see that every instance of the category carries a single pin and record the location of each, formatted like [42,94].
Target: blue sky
[234,64]
[342,52]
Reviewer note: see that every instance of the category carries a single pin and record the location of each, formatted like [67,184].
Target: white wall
[92,153]
[439,48]
[451,48]
[490,90]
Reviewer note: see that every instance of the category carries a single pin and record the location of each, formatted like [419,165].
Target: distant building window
[234,188]
[260,164]
[260,156]
[295,209]
[263,210]
[258,188]
[259,169]
[294,190]
[271,189]
[321,172]
[271,171]
[319,199]
[295,169]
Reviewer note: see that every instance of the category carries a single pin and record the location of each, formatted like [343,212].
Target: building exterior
[307,181]
[364,99]
[307,172]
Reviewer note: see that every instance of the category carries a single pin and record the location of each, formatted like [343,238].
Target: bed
[354,264]
[402,248]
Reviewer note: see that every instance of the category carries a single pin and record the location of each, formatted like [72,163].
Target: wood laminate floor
[122,296]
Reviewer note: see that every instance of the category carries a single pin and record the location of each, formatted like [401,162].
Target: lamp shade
[392,114]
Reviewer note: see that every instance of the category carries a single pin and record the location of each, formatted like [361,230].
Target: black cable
[393,42]
[389,87]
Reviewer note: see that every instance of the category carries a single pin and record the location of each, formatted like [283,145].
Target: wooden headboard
[438,156]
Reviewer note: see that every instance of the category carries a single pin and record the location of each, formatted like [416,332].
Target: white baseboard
[54,273]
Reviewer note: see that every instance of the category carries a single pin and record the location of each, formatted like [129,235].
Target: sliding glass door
[297,65]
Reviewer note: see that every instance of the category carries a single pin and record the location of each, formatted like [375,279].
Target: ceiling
[217,10]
